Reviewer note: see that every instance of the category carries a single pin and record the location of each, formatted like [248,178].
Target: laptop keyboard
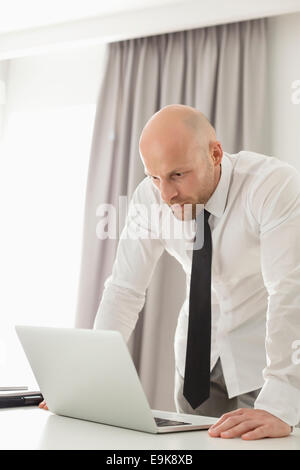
[168,422]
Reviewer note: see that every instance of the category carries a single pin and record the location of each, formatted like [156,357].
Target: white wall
[284,70]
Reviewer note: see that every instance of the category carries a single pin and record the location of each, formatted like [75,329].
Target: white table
[33,428]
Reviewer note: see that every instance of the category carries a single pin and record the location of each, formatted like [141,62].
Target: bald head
[177,124]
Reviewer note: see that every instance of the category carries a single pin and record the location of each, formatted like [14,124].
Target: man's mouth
[180,204]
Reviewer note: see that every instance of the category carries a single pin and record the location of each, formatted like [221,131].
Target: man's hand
[249,424]
[43,405]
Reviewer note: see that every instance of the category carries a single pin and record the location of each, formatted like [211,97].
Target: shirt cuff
[281,400]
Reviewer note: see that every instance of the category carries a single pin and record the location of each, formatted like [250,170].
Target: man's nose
[167,191]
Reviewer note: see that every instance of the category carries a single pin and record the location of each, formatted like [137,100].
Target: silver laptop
[90,375]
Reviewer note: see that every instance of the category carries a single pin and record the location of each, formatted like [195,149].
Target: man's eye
[178,174]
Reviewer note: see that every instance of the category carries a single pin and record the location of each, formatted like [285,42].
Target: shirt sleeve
[276,208]
[139,250]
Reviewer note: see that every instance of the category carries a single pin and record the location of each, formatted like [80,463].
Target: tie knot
[206,215]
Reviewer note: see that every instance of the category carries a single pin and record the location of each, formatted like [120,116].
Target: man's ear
[217,152]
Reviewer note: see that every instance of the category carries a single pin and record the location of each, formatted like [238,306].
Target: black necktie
[197,363]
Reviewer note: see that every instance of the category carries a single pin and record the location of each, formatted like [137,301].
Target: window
[43,174]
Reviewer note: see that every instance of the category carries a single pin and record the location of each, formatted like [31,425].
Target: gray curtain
[221,71]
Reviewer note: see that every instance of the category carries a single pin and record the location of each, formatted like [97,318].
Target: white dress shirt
[255,225]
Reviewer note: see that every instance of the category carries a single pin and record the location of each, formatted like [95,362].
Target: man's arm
[280,262]
[138,252]
[275,205]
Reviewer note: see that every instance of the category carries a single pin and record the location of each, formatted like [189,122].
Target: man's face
[185,176]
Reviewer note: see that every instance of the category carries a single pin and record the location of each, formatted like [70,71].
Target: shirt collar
[217,201]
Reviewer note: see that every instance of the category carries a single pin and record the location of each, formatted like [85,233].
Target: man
[252,207]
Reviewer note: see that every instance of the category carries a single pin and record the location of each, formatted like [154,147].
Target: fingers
[43,405]
[225,424]
[225,417]
[235,431]
[240,411]
[258,433]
